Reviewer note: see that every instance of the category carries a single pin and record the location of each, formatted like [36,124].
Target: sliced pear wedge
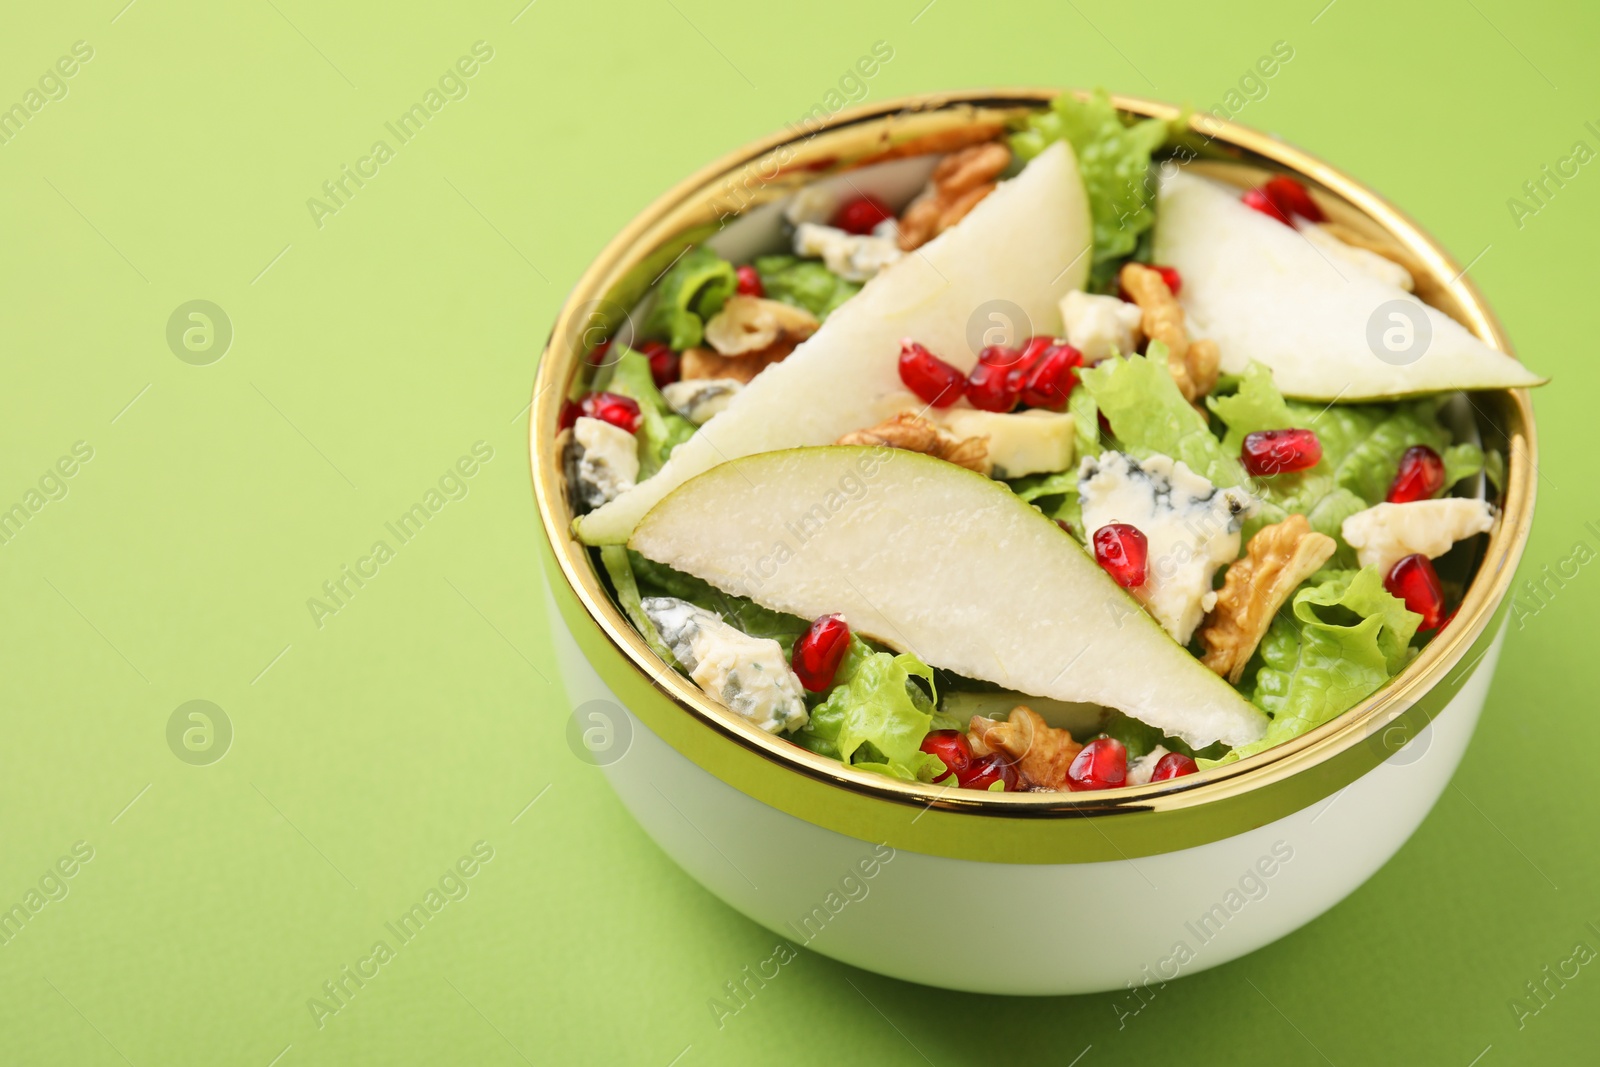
[932,559]
[1008,263]
[1329,332]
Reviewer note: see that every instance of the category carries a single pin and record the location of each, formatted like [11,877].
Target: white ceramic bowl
[1076,892]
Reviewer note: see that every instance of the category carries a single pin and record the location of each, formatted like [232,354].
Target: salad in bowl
[1032,457]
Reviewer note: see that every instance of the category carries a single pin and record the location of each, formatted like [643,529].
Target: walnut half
[959,181]
[1194,365]
[914,433]
[1041,752]
[1278,558]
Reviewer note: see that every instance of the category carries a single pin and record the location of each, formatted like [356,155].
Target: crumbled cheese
[853,257]
[1369,263]
[752,323]
[600,460]
[697,399]
[811,203]
[1384,535]
[1192,528]
[750,676]
[1100,326]
[1140,770]
[1027,442]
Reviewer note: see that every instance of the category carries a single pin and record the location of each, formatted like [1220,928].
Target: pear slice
[1263,292]
[933,559]
[1007,264]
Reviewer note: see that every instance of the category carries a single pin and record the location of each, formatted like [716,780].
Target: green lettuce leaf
[660,428]
[1054,494]
[1113,158]
[615,560]
[1361,449]
[1344,638]
[1148,415]
[875,717]
[804,283]
[693,290]
[1085,422]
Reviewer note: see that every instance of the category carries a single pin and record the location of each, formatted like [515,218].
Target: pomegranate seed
[1268,452]
[951,747]
[819,650]
[621,411]
[1291,196]
[990,387]
[598,355]
[1122,549]
[1173,765]
[750,281]
[1263,203]
[663,362]
[1415,581]
[984,772]
[1421,475]
[931,378]
[569,415]
[1051,379]
[1102,764]
[861,215]
[1065,525]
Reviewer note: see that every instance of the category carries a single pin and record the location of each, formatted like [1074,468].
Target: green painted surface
[374,747]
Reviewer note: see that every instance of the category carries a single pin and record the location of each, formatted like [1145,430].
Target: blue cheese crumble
[749,676]
[1192,528]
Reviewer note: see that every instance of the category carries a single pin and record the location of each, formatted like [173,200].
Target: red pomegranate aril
[1102,764]
[1268,452]
[983,772]
[819,650]
[569,415]
[750,281]
[1173,765]
[663,362]
[1421,475]
[861,215]
[990,387]
[1291,196]
[1263,203]
[952,749]
[599,355]
[1415,581]
[620,411]
[1122,550]
[1050,381]
[931,378]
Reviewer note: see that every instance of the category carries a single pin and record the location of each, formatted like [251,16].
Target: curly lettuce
[1148,416]
[1344,637]
[660,429]
[1114,160]
[804,283]
[693,289]
[1361,449]
[876,716]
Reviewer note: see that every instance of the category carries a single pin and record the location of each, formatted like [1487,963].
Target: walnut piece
[959,181]
[704,363]
[914,433]
[749,324]
[1277,559]
[1041,752]
[1194,365]
[941,141]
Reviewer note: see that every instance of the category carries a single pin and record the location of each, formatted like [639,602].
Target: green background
[371,353]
